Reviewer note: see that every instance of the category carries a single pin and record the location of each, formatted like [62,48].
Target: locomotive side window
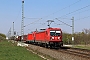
[55,33]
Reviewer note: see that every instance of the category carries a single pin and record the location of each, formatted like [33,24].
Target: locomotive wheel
[46,45]
[51,46]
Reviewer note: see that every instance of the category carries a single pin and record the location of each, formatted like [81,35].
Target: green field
[9,51]
[82,46]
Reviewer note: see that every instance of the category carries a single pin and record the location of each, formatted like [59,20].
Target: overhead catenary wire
[57,11]
[53,13]
[65,7]
[31,18]
[32,22]
[83,18]
[34,27]
[57,24]
[75,11]
[79,13]
[82,12]
[63,22]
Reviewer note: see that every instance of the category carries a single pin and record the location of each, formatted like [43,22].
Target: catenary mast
[22,22]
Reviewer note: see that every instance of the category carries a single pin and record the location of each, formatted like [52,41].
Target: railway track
[74,51]
[63,52]
[84,53]
[77,52]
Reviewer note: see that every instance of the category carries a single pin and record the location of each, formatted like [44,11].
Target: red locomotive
[50,37]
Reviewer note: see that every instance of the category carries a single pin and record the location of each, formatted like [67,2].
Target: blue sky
[34,10]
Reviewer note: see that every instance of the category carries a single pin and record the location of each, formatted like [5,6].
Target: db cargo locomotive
[50,37]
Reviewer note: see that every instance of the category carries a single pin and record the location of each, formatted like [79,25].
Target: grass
[83,46]
[9,51]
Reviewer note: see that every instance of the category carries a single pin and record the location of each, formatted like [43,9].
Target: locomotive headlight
[58,38]
[52,37]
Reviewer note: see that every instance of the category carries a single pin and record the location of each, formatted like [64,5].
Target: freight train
[50,37]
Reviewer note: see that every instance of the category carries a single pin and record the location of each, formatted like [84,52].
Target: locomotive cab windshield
[55,33]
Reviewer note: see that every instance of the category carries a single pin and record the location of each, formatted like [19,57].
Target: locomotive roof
[42,30]
[53,28]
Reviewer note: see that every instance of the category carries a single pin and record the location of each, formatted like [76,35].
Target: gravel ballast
[55,54]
